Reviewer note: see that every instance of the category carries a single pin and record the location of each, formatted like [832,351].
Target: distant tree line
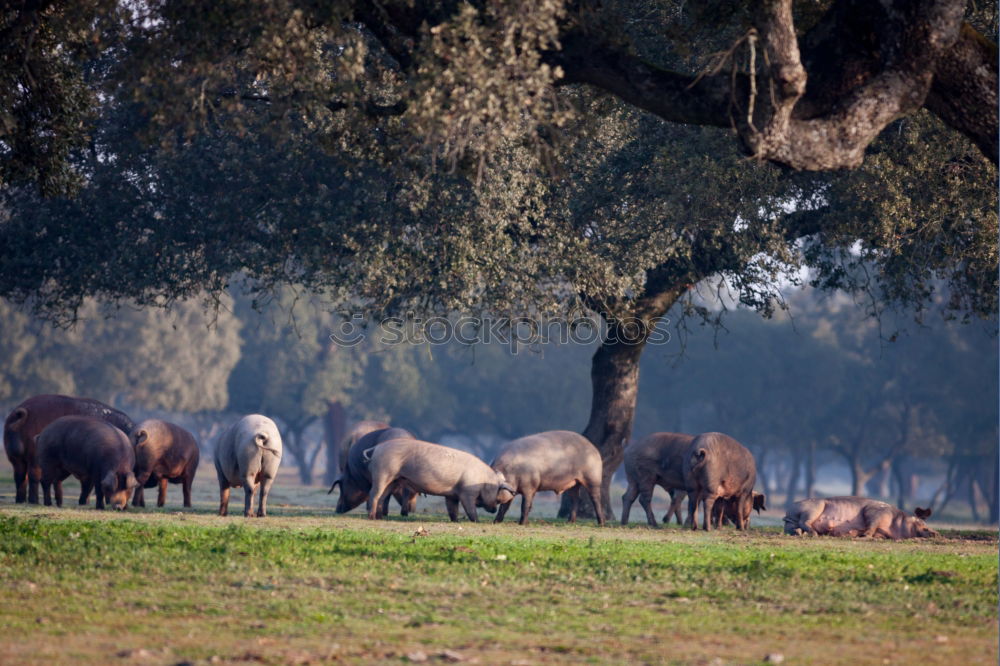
[889,400]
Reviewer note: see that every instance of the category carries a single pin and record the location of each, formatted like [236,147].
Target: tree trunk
[305,460]
[614,378]
[793,478]
[334,429]
[901,486]
[810,469]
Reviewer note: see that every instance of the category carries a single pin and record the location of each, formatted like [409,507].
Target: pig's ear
[922,514]
[366,455]
[141,437]
[336,482]
[16,418]
[108,481]
[505,494]
[758,501]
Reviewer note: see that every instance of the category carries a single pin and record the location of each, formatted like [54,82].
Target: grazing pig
[657,460]
[855,516]
[356,482]
[163,452]
[725,510]
[460,477]
[92,450]
[557,460]
[716,466]
[26,421]
[357,431]
[248,454]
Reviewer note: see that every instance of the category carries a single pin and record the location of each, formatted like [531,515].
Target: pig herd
[47,438]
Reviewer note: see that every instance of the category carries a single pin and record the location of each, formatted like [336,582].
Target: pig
[163,452]
[856,516]
[460,477]
[656,460]
[248,454]
[95,452]
[26,421]
[556,460]
[355,481]
[724,511]
[716,466]
[357,431]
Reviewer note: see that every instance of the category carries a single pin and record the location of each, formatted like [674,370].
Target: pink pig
[855,516]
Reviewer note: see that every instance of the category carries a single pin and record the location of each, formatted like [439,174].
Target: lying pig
[724,512]
[717,466]
[163,452]
[95,452]
[433,469]
[356,482]
[856,516]
[248,454]
[557,460]
[26,421]
[357,431]
[657,460]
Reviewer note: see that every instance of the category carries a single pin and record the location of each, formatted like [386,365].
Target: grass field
[163,586]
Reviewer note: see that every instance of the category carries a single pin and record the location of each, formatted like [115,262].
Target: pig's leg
[469,504]
[186,487]
[58,492]
[527,499]
[707,509]
[409,502]
[383,509]
[574,495]
[85,488]
[594,490]
[47,490]
[376,496]
[223,498]
[502,510]
[630,496]
[452,504]
[265,490]
[248,489]
[138,499]
[646,502]
[161,496]
[677,496]
[742,511]
[34,477]
[21,482]
[693,498]
[99,495]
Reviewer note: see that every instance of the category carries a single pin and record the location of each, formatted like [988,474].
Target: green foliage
[339,586]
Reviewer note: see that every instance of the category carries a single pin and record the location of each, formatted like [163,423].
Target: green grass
[166,587]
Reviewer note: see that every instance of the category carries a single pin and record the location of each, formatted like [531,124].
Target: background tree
[289,369]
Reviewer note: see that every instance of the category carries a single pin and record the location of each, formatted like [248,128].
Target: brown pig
[716,466]
[92,450]
[357,431]
[724,512]
[163,452]
[356,482]
[556,460]
[432,469]
[855,516]
[657,460]
[26,421]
